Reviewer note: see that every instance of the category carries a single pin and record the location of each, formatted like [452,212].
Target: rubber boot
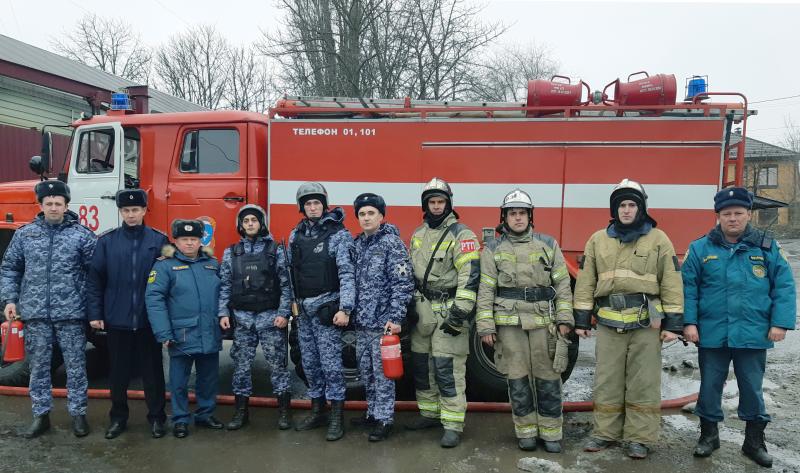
[336,422]
[317,417]
[40,425]
[285,411]
[709,439]
[528,444]
[450,438]
[754,447]
[241,414]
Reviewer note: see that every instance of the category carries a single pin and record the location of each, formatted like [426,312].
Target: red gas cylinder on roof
[549,93]
[660,89]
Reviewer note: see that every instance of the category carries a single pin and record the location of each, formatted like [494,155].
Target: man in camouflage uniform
[630,279]
[524,312]
[445,255]
[42,280]
[319,256]
[384,287]
[255,287]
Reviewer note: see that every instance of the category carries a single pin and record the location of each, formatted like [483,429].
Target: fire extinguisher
[391,356]
[13,341]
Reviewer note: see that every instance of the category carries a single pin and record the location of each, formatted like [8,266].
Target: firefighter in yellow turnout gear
[525,312]
[630,279]
[445,255]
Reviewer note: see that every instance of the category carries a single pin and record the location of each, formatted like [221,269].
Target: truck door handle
[234,198]
[108,196]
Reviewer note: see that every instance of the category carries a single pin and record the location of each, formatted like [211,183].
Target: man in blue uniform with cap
[115,293]
[384,287]
[42,280]
[739,299]
[182,297]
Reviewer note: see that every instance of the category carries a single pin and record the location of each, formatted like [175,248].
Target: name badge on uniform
[710,258]
[178,268]
[210,266]
[756,258]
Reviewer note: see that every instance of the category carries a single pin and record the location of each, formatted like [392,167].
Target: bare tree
[791,138]
[421,48]
[194,65]
[448,36]
[110,45]
[250,81]
[504,76]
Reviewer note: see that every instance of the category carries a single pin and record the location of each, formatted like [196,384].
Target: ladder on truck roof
[298,106]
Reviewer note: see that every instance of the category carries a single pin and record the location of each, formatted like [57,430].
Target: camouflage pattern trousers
[321,352]
[40,336]
[380,390]
[243,352]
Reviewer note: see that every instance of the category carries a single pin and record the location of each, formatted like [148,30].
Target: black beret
[732,196]
[51,187]
[131,198]
[187,228]
[372,200]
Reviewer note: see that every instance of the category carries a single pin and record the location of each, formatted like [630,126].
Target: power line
[779,98]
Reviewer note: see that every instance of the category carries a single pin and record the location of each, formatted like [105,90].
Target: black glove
[454,323]
[583,319]
[672,322]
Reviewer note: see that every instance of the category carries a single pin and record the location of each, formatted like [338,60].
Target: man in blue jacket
[182,297]
[739,298]
[42,280]
[319,257]
[384,287]
[115,294]
[255,290]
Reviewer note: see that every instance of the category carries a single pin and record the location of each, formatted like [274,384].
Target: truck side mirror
[41,164]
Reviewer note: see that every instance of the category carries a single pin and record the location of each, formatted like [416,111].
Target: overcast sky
[743,47]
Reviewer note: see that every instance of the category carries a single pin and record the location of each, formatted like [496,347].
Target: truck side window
[210,152]
[95,152]
[131,152]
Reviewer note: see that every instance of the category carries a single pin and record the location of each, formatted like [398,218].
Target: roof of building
[23,54]
[759,150]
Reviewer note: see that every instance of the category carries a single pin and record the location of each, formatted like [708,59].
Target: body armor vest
[255,285]
[314,269]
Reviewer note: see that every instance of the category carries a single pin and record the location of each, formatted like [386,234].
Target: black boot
[380,431]
[79,426]
[316,418]
[336,422]
[285,411]
[709,439]
[241,415]
[754,447]
[40,425]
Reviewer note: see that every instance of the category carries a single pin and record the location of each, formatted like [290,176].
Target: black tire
[484,382]
[15,374]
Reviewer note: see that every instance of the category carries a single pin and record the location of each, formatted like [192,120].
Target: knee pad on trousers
[443,372]
[521,396]
[548,393]
[419,365]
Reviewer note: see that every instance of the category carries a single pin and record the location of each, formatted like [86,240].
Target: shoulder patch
[152,277]
[401,269]
[468,246]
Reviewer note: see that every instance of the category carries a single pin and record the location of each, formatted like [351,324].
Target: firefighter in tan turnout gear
[445,255]
[525,313]
[630,279]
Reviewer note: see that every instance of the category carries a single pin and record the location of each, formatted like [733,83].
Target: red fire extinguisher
[13,341]
[391,356]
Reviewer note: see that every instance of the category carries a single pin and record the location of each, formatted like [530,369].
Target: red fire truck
[567,153]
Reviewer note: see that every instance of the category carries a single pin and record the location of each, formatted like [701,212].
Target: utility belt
[611,307]
[437,295]
[527,294]
[622,301]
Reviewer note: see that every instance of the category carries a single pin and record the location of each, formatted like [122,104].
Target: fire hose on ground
[577,406]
